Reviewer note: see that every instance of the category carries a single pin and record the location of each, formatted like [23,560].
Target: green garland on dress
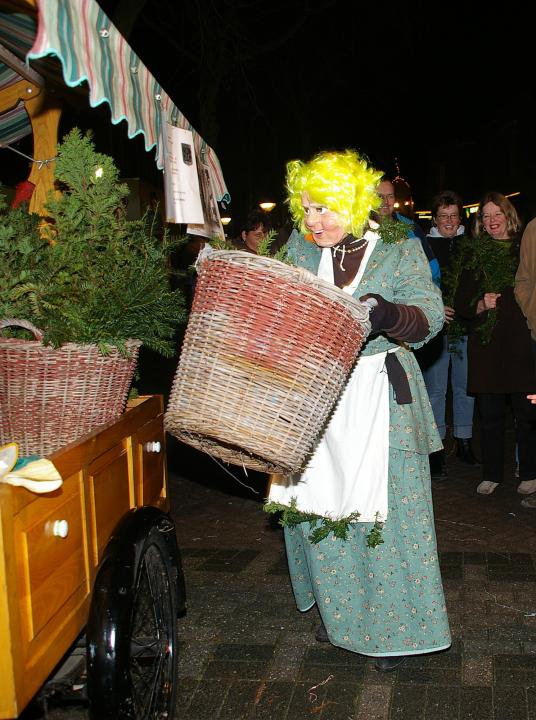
[291,516]
[494,267]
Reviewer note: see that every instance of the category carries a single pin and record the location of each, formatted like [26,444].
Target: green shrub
[86,274]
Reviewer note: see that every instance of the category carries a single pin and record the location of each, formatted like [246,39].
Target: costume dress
[386,600]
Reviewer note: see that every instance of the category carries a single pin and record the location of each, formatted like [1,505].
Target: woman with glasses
[447,352]
[501,366]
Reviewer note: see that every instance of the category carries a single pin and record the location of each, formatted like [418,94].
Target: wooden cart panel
[50,545]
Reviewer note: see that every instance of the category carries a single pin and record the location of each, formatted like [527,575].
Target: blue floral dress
[386,600]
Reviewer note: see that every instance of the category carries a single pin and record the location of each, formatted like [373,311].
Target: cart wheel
[132,626]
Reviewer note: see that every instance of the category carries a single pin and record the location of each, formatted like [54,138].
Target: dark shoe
[464,451]
[389,663]
[438,470]
[322,633]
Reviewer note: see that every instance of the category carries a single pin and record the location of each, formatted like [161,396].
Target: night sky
[452,97]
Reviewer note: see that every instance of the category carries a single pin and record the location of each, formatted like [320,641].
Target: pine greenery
[393,231]
[290,516]
[86,274]
[494,266]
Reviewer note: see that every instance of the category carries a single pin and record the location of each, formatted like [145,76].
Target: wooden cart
[99,553]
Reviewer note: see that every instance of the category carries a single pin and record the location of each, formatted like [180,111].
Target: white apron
[347,472]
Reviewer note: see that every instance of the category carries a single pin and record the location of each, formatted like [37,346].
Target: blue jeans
[436,377]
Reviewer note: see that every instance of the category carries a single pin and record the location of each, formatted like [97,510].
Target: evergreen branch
[265,244]
[393,231]
[321,526]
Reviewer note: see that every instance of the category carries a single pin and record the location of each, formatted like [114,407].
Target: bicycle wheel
[132,629]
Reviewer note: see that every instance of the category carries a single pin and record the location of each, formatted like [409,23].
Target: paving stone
[194,658]
[511,575]
[272,700]
[186,688]
[374,702]
[420,675]
[510,703]
[286,662]
[476,703]
[442,703]
[307,700]
[474,558]
[477,646]
[476,573]
[234,670]
[512,647]
[477,670]
[531,703]
[243,653]
[340,700]
[280,567]
[208,699]
[451,572]
[516,670]
[407,702]
[239,701]
[320,662]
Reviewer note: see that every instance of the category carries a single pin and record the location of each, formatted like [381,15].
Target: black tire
[132,625]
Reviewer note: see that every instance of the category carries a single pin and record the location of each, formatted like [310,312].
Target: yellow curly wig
[340,181]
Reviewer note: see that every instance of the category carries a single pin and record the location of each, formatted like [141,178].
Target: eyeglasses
[451,216]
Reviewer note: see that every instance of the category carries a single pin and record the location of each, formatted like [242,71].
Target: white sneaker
[526,487]
[486,487]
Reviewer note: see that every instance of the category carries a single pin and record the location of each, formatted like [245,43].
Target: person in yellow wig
[359,525]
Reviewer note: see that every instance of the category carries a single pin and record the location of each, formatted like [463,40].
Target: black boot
[438,470]
[464,451]
[388,663]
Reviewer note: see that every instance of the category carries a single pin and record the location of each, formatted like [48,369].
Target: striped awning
[17,33]
[92,50]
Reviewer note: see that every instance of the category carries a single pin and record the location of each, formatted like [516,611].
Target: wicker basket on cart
[266,353]
[49,396]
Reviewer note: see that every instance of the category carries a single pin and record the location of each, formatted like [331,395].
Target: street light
[267,206]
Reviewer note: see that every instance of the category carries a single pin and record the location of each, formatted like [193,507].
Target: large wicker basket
[267,350]
[50,397]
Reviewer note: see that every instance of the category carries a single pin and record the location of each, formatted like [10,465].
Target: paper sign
[181,182]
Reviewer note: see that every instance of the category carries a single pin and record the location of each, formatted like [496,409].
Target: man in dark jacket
[386,191]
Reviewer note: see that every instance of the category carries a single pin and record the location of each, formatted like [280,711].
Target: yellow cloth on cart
[38,476]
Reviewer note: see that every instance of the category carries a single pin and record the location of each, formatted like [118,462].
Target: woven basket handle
[9,322]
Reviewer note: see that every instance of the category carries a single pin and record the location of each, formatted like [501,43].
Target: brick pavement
[246,652]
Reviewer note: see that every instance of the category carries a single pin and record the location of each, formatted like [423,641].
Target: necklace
[343,250]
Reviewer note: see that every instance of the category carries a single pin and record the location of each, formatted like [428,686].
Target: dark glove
[401,322]
[384,315]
